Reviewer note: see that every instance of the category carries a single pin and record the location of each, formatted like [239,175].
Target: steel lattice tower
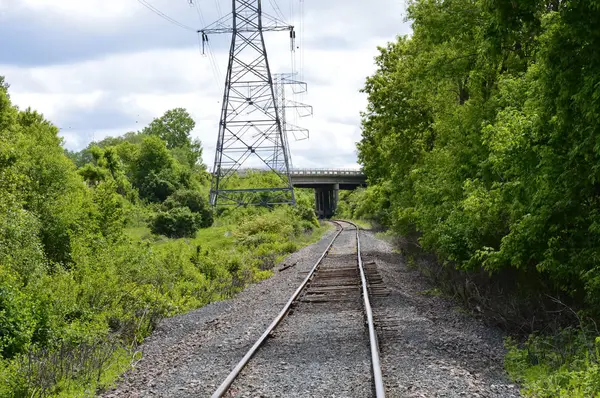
[250,130]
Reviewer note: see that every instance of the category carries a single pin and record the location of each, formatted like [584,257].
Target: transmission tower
[281,81]
[250,130]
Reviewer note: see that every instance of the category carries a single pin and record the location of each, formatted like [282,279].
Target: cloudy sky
[100,68]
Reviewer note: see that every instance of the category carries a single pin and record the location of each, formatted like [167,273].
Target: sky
[99,68]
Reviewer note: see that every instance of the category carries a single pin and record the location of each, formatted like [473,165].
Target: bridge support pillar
[326,200]
[336,196]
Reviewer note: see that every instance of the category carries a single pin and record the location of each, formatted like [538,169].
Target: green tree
[179,222]
[155,172]
[54,192]
[4,86]
[174,127]
[481,133]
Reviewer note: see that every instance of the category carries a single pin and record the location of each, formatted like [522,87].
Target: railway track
[343,282]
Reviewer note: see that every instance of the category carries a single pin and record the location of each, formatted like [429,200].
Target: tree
[155,172]
[4,86]
[481,133]
[53,190]
[174,127]
[190,155]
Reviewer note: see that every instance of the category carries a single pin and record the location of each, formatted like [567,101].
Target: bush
[194,201]
[17,321]
[157,187]
[276,222]
[563,365]
[20,245]
[179,222]
[305,207]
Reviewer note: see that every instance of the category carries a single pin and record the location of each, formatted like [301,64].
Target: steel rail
[374,343]
[238,368]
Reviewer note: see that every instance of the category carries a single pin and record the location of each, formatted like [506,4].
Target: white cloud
[52,104]
[96,11]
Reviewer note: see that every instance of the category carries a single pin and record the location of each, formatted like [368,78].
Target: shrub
[194,201]
[17,321]
[276,222]
[20,245]
[179,222]
[156,187]
[563,365]
[305,206]
[74,289]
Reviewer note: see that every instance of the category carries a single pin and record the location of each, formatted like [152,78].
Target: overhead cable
[165,16]
[277,9]
[214,65]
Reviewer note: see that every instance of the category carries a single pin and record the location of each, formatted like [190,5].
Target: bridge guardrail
[314,172]
[326,172]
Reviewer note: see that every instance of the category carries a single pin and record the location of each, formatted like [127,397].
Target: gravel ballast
[429,348]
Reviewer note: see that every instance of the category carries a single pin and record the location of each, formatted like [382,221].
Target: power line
[165,16]
[219,11]
[277,9]
[212,62]
[199,11]
[217,67]
[214,65]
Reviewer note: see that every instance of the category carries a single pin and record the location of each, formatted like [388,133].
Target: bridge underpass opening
[327,184]
[326,200]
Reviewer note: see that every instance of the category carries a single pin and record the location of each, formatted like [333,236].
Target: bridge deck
[327,172]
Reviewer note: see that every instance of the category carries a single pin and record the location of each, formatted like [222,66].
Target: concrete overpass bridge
[327,184]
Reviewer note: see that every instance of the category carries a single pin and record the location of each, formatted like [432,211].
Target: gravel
[429,348]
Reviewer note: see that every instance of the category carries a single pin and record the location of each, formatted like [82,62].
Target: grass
[566,364]
[363,224]
[315,235]
[138,233]
[157,274]
[217,237]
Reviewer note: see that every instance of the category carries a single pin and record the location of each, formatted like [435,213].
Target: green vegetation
[481,138]
[351,207]
[563,365]
[88,263]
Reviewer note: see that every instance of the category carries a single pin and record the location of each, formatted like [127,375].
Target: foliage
[16,316]
[4,86]
[305,208]
[155,172]
[489,148]
[178,222]
[193,200]
[174,127]
[481,136]
[565,365]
